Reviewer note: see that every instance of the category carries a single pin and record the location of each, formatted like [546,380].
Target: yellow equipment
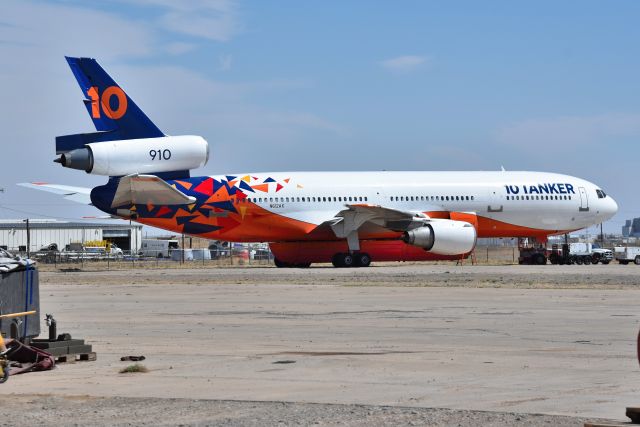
[4,361]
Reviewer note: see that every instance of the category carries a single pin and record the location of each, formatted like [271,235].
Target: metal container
[20,291]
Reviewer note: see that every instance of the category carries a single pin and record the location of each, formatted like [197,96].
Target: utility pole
[182,257]
[28,239]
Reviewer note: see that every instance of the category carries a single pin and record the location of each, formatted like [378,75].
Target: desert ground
[393,344]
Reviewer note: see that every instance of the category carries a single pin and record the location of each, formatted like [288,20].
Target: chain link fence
[245,255]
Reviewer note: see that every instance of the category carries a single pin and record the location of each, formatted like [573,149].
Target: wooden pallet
[77,357]
[633,413]
[607,425]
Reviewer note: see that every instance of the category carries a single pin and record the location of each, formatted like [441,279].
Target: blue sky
[355,85]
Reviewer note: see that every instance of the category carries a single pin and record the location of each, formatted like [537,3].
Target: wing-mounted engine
[138,156]
[444,237]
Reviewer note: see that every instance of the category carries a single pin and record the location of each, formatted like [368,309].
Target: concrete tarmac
[548,340]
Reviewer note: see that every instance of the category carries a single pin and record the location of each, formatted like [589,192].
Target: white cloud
[225,62]
[52,30]
[405,64]
[192,101]
[564,134]
[178,48]
[208,19]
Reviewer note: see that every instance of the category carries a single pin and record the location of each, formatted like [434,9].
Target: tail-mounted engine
[444,237]
[138,156]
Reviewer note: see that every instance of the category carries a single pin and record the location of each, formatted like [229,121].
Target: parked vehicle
[627,254]
[157,248]
[579,253]
[602,255]
[95,250]
[218,250]
[536,255]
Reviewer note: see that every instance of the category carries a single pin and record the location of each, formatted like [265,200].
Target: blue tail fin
[108,105]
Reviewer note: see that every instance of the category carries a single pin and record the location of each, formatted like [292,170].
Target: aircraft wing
[75,194]
[354,216]
[144,189]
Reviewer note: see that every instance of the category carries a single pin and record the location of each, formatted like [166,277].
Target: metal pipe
[12,315]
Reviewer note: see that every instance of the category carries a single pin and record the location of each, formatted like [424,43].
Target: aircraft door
[584,200]
[495,202]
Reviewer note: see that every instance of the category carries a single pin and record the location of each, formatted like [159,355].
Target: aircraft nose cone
[611,207]
[614,207]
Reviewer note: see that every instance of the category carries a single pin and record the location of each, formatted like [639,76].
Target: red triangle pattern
[163,211]
[205,187]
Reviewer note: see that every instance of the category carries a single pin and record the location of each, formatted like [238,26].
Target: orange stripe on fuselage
[257,224]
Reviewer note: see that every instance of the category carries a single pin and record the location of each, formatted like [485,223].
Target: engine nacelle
[444,237]
[130,156]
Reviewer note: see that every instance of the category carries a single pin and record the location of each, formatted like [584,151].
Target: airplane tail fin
[110,108]
[114,114]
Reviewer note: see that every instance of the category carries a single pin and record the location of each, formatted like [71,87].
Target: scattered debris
[136,367]
[24,358]
[132,358]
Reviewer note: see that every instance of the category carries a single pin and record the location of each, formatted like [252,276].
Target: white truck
[627,254]
[157,248]
[111,250]
[580,253]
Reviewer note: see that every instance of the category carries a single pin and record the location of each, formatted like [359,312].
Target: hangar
[13,234]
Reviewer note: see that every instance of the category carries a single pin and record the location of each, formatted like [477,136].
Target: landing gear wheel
[348,260]
[539,259]
[363,260]
[281,264]
[343,260]
[336,260]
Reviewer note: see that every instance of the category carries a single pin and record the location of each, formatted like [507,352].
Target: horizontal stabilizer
[75,194]
[66,143]
[148,189]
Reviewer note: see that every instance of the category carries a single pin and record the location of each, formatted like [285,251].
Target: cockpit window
[601,194]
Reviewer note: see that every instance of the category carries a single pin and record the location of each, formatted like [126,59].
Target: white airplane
[348,218]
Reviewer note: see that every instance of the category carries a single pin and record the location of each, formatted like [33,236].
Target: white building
[13,234]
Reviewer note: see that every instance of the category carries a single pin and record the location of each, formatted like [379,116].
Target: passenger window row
[430,198]
[312,199]
[543,197]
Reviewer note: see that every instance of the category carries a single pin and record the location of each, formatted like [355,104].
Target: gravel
[118,411]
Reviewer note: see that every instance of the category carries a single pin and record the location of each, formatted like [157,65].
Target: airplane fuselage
[290,206]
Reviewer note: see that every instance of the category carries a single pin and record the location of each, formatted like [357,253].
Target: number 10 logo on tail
[104,100]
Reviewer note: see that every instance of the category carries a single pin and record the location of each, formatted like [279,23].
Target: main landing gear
[359,259]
